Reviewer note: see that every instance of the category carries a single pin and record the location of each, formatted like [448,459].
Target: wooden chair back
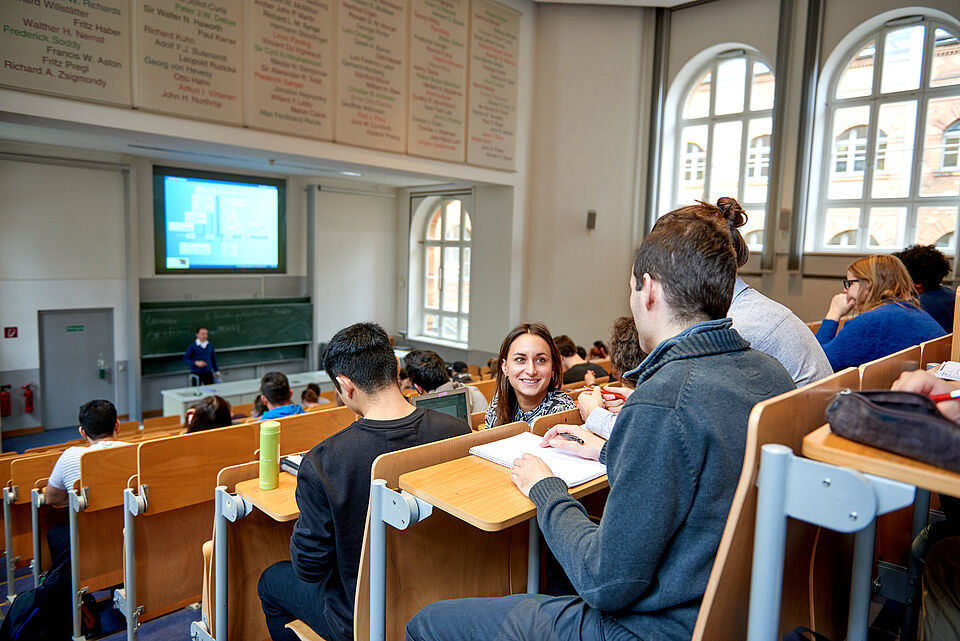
[474,372]
[28,472]
[128,428]
[487,388]
[330,395]
[242,408]
[603,362]
[423,564]
[784,419]
[569,387]
[567,417]
[881,373]
[301,432]
[5,460]
[162,422]
[476,420]
[104,475]
[180,473]
[936,350]
[485,373]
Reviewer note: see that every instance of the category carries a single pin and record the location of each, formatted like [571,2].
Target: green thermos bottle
[269,455]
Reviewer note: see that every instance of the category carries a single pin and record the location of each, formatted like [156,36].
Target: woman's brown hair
[506,397]
[883,279]
[211,412]
[625,352]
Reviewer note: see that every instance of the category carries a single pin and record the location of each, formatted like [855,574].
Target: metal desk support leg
[9,496]
[126,599]
[76,504]
[860,585]
[36,500]
[401,510]
[533,558]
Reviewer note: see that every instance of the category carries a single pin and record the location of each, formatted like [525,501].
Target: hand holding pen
[575,439]
[941,392]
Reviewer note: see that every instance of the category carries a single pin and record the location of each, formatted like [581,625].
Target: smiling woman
[529,377]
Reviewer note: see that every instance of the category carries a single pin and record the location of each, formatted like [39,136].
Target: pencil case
[901,422]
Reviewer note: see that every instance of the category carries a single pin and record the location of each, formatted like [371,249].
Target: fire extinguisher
[5,400]
[27,398]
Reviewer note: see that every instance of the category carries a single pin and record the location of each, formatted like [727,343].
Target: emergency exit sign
[75,328]
[9,332]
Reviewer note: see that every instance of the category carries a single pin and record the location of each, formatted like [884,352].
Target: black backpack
[43,613]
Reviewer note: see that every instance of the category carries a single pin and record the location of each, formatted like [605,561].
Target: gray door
[75,345]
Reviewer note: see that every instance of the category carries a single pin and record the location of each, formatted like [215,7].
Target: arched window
[723,137]
[441,234]
[892,120]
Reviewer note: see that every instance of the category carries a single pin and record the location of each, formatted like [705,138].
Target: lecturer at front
[202,358]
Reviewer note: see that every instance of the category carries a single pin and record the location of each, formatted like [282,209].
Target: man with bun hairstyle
[673,462]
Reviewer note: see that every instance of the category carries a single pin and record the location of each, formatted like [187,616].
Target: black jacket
[333,489]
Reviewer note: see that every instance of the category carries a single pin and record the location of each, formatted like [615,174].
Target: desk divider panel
[488,388]
[104,474]
[936,350]
[784,419]
[180,473]
[128,428]
[567,417]
[441,557]
[301,432]
[26,473]
[477,421]
[881,373]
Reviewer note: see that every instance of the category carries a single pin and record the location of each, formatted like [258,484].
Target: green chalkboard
[167,328]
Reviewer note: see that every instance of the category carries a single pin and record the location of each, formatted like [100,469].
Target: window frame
[921,96]
[745,116]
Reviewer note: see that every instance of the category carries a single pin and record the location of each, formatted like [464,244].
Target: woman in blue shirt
[878,289]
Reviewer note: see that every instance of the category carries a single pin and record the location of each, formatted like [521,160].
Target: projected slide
[211,224]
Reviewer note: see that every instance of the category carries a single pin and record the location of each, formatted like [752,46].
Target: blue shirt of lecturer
[202,358]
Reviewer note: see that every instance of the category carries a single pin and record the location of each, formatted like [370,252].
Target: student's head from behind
[315,388]
[98,419]
[275,389]
[873,281]
[565,345]
[625,353]
[309,399]
[683,273]
[426,369]
[529,369]
[927,266]
[360,359]
[202,334]
[211,412]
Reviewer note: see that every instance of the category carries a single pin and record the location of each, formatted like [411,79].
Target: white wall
[591,86]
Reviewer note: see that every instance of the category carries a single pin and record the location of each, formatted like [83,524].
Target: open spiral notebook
[569,467]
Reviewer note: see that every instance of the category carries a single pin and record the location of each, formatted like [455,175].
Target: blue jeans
[520,617]
[285,597]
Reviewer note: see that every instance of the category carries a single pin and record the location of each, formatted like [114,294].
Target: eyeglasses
[847,282]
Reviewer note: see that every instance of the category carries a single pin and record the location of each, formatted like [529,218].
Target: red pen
[951,396]
[612,393]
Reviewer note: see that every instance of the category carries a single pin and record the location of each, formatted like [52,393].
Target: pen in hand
[570,437]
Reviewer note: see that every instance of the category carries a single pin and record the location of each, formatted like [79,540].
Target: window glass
[902,58]
[693,142]
[761,94]
[857,78]
[431,287]
[433,228]
[698,102]
[451,279]
[849,158]
[443,312]
[946,59]
[893,157]
[724,179]
[841,225]
[936,225]
[452,224]
[731,76]
[886,227]
[758,160]
[466,280]
[940,170]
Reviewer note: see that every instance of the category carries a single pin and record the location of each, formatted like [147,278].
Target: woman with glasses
[879,291]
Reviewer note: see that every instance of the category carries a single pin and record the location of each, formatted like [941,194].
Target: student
[625,355]
[769,326]
[310,400]
[879,291]
[99,426]
[428,373]
[275,394]
[598,352]
[574,366]
[460,372]
[673,462]
[333,487]
[528,378]
[202,358]
[928,267]
[211,412]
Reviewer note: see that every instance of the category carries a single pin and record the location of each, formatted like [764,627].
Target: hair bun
[732,212]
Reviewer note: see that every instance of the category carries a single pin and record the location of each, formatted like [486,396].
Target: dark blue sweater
[939,304]
[205,354]
[874,334]
[673,461]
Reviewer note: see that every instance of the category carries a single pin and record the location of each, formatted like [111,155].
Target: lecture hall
[349,319]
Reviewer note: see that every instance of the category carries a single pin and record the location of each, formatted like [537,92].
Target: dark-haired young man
[928,267]
[276,396]
[673,461]
[333,487]
[574,365]
[428,373]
